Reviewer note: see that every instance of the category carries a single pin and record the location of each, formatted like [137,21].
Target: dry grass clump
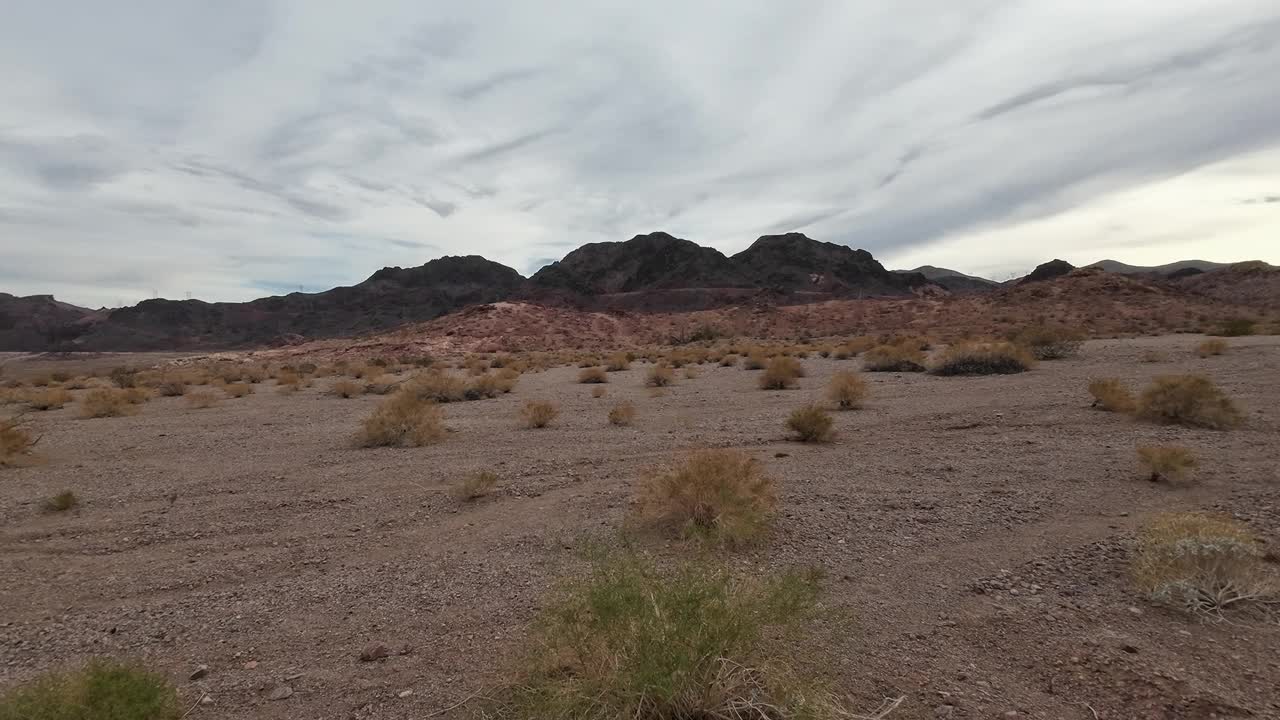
[437,386]
[201,399]
[630,641]
[659,376]
[491,385]
[1153,356]
[1111,395]
[593,375]
[404,419]
[755,360]
[847,390]
[101,690]
[692,372]
[728,360]
[1210,348]
[1189,400]
[1236,327]
[720,495]
[107,402]
[383,384]
[597,392]
[172,387]
[1202,563]
[1050,342]
[781,373]
[982,358]
[61,502]
[124,377]
[346,388]
[538,413]
[622,414]
[811,423]
[48,399]
[476,485]
[16,442]
[893,358]
[618,362]
[1165,463]
[238,390]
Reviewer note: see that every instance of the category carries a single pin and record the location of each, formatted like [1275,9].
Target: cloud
[173,146]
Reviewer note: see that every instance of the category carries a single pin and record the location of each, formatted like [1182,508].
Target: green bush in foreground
[101,690]
[630,641]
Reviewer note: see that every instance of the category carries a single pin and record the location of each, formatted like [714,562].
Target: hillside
[953,280]
[1166,269]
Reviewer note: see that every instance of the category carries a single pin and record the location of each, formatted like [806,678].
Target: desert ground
[974,533]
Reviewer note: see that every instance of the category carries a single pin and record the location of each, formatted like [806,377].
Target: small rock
[251,665]
[280,692]
[404,694]
[1135,610]
[374,652]
[200,672]
[781,455]
[944,711]
[207,699]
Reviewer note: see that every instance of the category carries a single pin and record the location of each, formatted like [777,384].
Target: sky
[244,148]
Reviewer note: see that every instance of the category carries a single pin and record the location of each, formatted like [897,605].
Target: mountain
[1253,283]
[794,262]
[953,280]
[1166,269]
[656,261]
[39,321]
[1047,271]
[390,297]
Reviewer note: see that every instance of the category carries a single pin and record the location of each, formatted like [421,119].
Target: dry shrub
[982,358]
[124,377]
[491,385]
[597,392]
[893,358]
[48,399]
[201,399]
[16,442]
[659,376]
[1202,563]
[100,690]
[1111,395]
[238,390]
[691,372]
[811,423]
[61,502]
[720,495]
[381,385]
[538,413]
[173,387]
[1236,327]
[346,388]
[405,420]
[476,485]
[1167,463]
[729,360]
[107,402]
[437,386]
[136,395]
[781,373]
[627,640]
[1050,342]
[1189,400]
[1153,356]
[1209,348]
[755,360]
[622,414]
[618,362]
[847,390]
[593,375]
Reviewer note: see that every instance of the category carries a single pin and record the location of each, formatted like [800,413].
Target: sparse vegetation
[598,392]
[1202,563]
[476,485]
[622,414]
[1111,395]
[847,390]
[659,376]
[1236,327]
[383,384]
[1050,342]
[48,399]
[811,423]
[593,375]
[755,360]
[1211,347]
[538,413]
[201,399]
[124,377]
[1190,400]
[107,402]
[1166,463]
[982,358]
[437,386]
[1153,356]
[16,442]
[346,388]
[729,360]
[238,390]
[61,502]
[618,362]
[893,358]
[404,419]
[781,373]
[101,690]
[715,494]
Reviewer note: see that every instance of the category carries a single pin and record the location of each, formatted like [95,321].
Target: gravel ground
[974,532]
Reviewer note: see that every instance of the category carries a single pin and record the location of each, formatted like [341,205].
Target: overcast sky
[239,148]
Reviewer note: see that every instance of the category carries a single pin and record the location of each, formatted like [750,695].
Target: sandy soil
[973,529]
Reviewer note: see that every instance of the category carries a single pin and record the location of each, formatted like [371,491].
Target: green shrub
[101,690]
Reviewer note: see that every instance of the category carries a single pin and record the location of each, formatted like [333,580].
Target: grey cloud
[495,82]
[66,163]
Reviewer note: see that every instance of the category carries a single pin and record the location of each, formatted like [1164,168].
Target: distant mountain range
[1166,269]
[653,272]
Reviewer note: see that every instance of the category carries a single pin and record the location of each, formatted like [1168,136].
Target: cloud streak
[164,146]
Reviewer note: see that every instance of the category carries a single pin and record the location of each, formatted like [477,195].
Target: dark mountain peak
[1048,271]
[455,269]
[656,261]
[794,261]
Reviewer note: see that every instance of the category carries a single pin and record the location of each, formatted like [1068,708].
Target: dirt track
[974,530]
